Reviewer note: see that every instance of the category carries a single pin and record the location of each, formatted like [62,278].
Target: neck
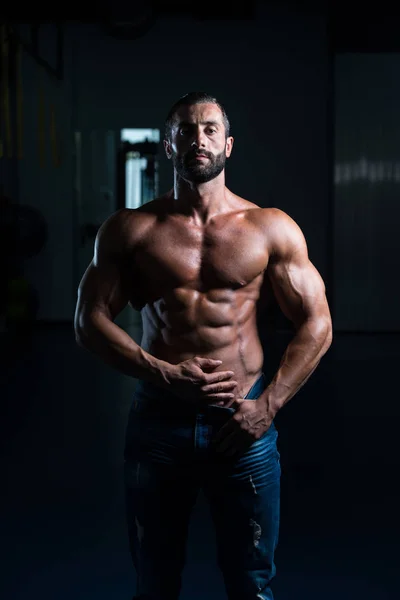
[201,201]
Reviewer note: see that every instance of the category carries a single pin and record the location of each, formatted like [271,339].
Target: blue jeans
[168,459]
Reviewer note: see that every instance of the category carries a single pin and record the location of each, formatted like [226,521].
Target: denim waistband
[257,388]
[149,394]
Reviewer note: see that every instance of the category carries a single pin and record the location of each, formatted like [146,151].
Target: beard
[195,171]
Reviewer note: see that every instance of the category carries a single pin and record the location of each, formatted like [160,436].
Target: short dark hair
[188,100]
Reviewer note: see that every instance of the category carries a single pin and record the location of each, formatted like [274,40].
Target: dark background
[312,93]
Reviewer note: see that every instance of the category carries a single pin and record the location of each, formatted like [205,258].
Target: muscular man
[194,262]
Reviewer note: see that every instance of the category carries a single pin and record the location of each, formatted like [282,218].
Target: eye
[212,130]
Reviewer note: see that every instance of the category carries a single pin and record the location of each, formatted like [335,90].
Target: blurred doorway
[137,166]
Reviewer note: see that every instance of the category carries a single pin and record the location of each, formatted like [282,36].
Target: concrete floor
[62,515]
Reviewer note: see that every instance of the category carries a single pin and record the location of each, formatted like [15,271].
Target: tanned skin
[194,261]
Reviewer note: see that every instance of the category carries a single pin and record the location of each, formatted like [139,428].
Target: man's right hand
[193,380]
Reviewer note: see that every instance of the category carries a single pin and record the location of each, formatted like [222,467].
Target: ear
[167,148]
[228,146]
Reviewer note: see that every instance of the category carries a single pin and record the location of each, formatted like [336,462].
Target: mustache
[195,153]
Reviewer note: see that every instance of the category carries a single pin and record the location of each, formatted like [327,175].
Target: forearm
[299,361]
[102,337]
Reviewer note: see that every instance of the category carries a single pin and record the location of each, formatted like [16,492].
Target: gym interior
[313,101]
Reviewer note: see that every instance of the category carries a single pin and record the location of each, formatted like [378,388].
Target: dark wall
[367,176]
[46,184]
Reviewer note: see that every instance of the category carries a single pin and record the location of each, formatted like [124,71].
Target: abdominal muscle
[223,331]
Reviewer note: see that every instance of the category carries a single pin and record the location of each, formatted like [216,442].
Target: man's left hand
[251,420]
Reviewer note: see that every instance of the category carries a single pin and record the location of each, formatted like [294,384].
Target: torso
[197,286]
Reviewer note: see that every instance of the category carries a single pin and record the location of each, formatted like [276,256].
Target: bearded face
[198,146]
[198,166]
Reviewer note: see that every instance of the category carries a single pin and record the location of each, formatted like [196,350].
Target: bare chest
[230,257]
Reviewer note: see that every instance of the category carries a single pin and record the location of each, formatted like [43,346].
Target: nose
[198,139]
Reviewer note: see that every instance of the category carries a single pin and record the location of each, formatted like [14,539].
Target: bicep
[298,289]
[297,285]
